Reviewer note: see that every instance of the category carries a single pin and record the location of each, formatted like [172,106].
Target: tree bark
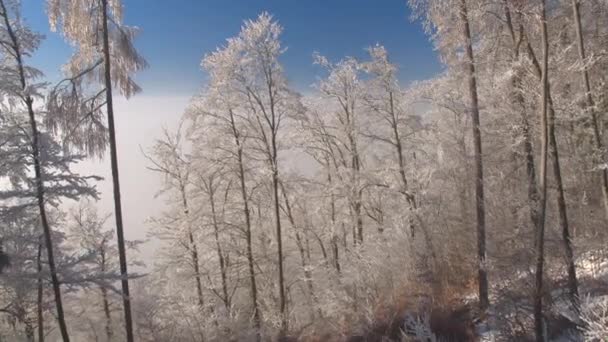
[410,198]
[533,196]
[273,123]
[220,253]
[303,260]
[479,187]
[122,254]
[105,301]
[356,192]
[247,214]
[39,309]
[334,236]
[561,197]
[38,170]
[193,251]
[539,327]
[589,105]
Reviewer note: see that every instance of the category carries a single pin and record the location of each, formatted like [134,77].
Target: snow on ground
[591,266]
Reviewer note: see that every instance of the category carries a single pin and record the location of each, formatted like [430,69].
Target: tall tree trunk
[561,197]
[122,253]
[410,198]
[563,214]
[274,153]
[40,285]
[539,327]
[40,189]
[106,311]
[247,214]
[29,331]
[356,191]
[533,195]
[275,185]
[193,252]
[479,191]
[105,301]
[218,246]
[303,260]
[334,236]
[589,105]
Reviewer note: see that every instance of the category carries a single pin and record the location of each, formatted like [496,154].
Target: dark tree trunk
[274,161]
[193,252]
[105,301]
[589,105]
[122,253]
[28,331]
[15,45]
[561,197]
[218,246]
[479,188]
[356,192]
[40,286]
[334,237]
[247,214]
[303,259]
[410,198]
[539,327]
[533,196]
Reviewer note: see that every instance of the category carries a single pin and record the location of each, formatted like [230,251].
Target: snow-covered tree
[106,55]
[38,169]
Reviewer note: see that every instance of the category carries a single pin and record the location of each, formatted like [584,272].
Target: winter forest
[470,206]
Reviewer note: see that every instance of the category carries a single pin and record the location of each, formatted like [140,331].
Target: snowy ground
[592,272]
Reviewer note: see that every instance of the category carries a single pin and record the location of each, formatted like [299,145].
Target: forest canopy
[470,206]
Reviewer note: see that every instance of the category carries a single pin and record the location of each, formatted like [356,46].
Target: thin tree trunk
[194,259]
[277,213]
[572,279]
[305,265]
[105,301]
[40,190]
[197,276]
[479,190]
[250,262]
[220,254]
[106,311]
[355,164]
[275,185]
[411,199]
[193,252]
[561,198]
[122,254]
[356,193]
[39,309]
[589,105]
[334,236]
[29,331]
[533,196]
[540,231]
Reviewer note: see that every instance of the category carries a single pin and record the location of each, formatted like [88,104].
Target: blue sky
[177,33]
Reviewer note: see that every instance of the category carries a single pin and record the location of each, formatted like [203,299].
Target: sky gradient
[176,34]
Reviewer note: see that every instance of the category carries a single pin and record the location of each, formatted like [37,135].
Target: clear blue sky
[177,33]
